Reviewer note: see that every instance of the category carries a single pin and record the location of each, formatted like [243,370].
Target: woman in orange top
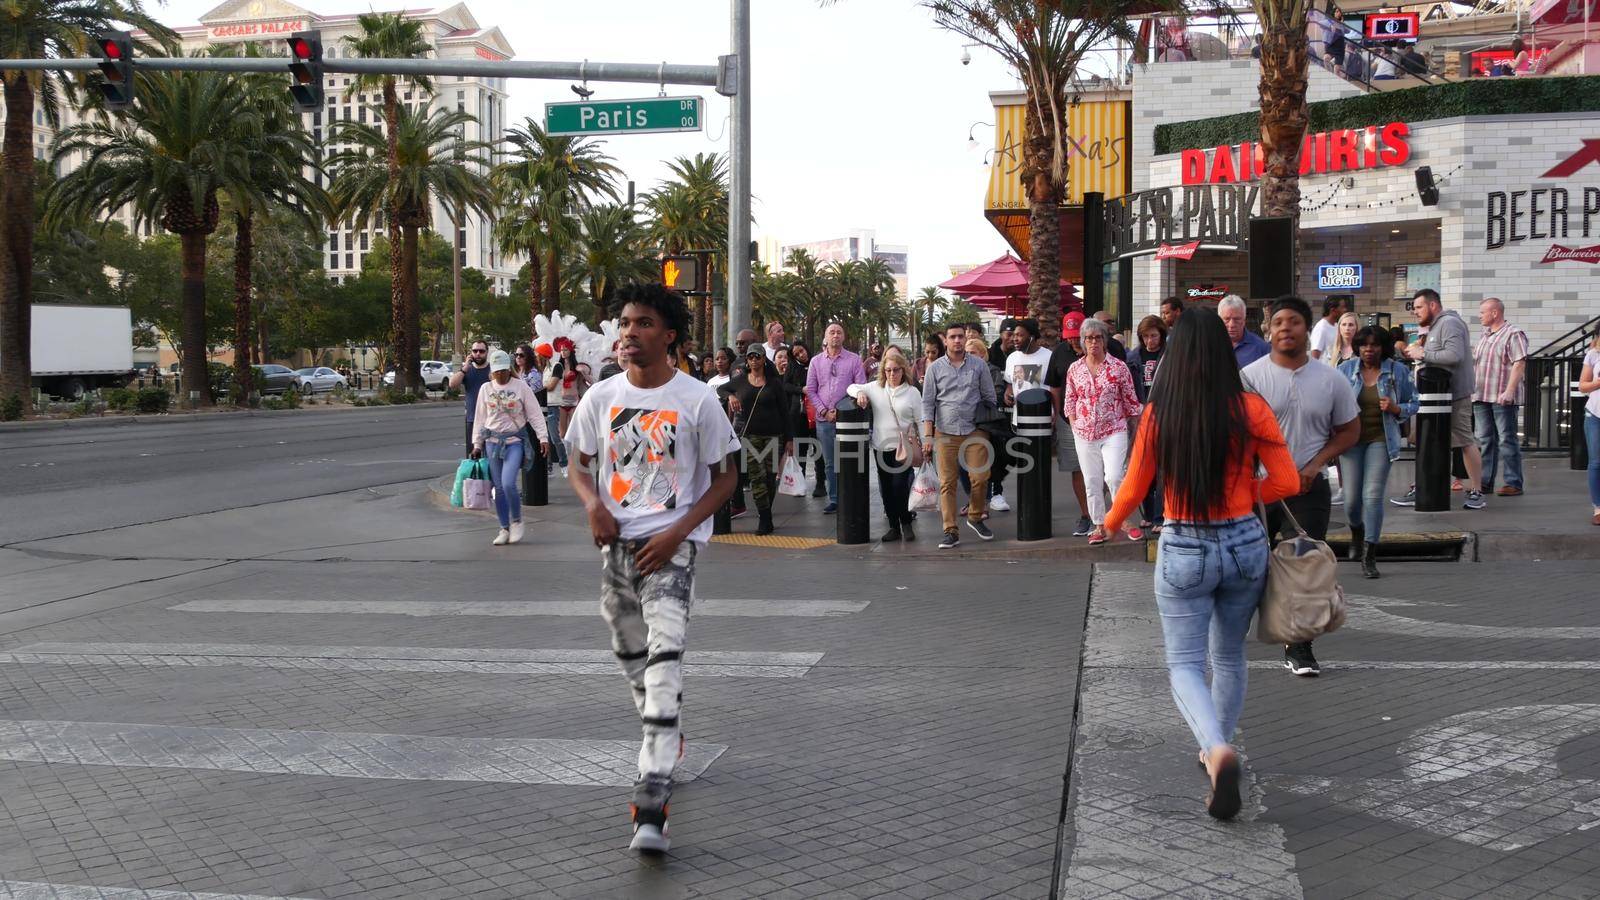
[1204,435]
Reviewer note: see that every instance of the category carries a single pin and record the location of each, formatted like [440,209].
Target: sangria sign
[1167,221]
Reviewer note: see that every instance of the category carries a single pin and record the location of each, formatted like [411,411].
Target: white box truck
[78,348]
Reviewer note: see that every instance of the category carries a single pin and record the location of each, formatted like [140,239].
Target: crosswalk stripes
[431,608]
[42,890]
[486,661]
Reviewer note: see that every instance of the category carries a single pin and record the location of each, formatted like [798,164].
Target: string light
[1377,204]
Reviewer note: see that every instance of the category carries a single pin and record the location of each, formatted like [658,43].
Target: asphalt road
[87,477]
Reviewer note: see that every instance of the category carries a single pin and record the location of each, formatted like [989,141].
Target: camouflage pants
[761,467]
[649,619]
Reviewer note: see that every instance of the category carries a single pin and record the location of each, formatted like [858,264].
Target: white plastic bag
[925,489]
[793,481]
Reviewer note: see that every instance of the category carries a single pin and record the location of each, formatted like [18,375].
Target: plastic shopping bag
[794,481]
[476,489]
[925,489]
[463,472]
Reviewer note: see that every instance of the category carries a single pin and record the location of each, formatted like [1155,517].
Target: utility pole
[739,190]
[456,356]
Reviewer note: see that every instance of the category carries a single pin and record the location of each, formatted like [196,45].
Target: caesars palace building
[454,34]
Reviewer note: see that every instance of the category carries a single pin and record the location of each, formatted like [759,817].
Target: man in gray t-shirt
[1320,419]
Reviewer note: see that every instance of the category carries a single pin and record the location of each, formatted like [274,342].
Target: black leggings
[894,487]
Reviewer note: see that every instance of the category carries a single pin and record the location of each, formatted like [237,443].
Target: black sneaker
[906,530]
[650,796]
[1083,527]
[1298,659]
[982,530]
[951,541]
[1474,500]
[890,536]
[1408,499]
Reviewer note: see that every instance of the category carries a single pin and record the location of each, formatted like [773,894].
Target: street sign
[647,115]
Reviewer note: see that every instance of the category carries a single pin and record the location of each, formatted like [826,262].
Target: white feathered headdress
[590,347]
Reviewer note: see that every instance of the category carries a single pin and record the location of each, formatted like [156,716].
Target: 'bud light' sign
[1342,277]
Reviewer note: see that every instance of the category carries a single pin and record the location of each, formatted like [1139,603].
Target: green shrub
[152,400]
[452,393]
[12,407]
[388,395]
[121,399]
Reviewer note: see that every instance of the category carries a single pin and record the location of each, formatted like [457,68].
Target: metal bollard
[722,519]
[1433,439]
[853,456]
[535,480]
[1033,426]
[1577,442]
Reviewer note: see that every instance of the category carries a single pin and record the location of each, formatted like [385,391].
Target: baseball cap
[754,350]
[1072,324]
[499,361]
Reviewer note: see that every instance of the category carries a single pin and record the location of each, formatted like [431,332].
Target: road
[73,479]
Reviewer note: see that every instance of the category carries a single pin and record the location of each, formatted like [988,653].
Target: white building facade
[858,244]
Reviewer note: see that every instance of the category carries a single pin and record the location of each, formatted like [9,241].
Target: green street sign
[647,115]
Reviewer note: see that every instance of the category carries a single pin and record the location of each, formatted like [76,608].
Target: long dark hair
[1197,405]
[528,358]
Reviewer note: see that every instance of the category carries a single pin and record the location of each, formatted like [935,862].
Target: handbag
[463,471]
[476,489]
[794,482]
[906,451]
[925,489]
[1302,599]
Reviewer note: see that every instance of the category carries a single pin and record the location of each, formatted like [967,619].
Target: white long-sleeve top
[506,407]
[894,409]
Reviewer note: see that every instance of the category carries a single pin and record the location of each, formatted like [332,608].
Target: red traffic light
[301,48]
[110,48]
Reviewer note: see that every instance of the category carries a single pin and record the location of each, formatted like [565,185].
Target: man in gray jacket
[1449,346]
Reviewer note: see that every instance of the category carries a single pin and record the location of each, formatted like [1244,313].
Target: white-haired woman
[1099,399]
[896,407]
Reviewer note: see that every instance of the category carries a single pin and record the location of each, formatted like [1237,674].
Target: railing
[1552,413]
[1359,59]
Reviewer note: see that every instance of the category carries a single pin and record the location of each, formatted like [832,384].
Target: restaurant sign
[1166,221]
[1321,153]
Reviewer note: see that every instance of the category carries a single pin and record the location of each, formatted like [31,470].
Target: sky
[861,109]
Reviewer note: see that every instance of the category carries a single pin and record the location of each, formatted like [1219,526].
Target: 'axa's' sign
[1322,153]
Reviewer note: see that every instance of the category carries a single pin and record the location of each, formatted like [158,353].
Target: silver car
[319,379]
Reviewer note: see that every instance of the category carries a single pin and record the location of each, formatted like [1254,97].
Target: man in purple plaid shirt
[1498,361]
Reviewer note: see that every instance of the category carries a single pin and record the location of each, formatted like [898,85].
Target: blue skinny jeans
[504,454]
[1591,434]
[1363,473]
[1208,583]
[558,447]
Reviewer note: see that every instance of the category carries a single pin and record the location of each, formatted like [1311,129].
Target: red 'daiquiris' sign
[1322,153]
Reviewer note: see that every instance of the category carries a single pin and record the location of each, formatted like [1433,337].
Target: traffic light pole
[559,71]
[739,174]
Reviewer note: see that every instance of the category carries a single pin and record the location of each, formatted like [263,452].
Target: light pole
[739,172]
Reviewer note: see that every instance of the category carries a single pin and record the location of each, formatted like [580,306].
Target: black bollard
[1578,457]
[535,480]
[1033,445]
[722,519]
[853,456]
[1433,439]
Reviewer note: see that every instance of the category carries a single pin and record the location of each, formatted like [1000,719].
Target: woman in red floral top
[1099,400]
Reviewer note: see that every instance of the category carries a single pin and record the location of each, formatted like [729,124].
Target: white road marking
[697,663]
[1450,664]
[751,608]
[339,754]
[1366,616]
[39,890]
[1488,778]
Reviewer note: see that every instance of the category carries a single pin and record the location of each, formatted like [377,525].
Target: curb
[114,421]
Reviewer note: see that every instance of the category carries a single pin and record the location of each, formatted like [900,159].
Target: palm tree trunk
[196,378]
[535,287]
[1284,64]
[552,284]
[411,366]
[1044,224]
[243,249]
[16,239]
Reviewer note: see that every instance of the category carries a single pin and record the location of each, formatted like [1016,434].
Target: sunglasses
[520,355]
[480,349]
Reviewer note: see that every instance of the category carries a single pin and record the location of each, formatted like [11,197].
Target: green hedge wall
[1474,97]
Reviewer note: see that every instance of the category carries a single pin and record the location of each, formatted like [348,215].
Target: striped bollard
[853,457]
[1433,439]
[1033,424]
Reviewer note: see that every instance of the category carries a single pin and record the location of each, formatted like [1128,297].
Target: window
[363,113]
[349,260]
[349,240]
[333,263]
[363,240]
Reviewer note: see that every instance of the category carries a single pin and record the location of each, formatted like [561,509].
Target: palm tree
[1044,43]
[812,295]
[435,167]
[690,212]
[393,36]
[543,185]
[186,139]
[610,250]
[928,304]
[1284,62]
[37,29]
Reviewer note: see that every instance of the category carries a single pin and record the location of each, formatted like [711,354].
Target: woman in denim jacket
[1387,396]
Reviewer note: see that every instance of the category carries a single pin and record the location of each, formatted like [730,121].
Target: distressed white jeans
[649,619]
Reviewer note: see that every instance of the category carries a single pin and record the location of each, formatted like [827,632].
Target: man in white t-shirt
[1024,369]
[1325,335]
[656,456]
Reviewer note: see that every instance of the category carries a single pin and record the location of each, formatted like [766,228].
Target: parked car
[316,379]
[277,379]
[435,375]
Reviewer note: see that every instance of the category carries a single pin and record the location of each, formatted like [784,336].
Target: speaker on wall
[1427,188]
[1272,268]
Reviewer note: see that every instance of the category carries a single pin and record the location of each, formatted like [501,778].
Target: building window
[333,261]
[349,260]
[363,240]
[333,242]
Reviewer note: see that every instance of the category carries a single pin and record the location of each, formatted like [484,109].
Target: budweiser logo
[1558,253]
[1177,251]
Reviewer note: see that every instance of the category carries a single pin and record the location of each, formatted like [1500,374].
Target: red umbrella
[999,276]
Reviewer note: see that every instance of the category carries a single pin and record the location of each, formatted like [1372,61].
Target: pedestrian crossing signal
[683,274]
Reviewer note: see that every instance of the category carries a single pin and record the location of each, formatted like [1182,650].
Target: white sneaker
[516,533]
[563,471]
[1337,499]
[998,503]
[502,537]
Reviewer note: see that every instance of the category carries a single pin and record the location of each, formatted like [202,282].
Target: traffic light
[305,70]
[683,274]
[116,64]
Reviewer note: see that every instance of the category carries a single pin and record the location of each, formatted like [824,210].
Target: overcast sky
[861,109]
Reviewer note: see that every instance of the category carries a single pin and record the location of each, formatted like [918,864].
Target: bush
[84,407]
[286,400]
[452,393]
[387,395]
[12,407]
[152,400]
[121,399]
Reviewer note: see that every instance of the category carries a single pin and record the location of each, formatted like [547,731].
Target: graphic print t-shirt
[1026,371]
[652,449]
